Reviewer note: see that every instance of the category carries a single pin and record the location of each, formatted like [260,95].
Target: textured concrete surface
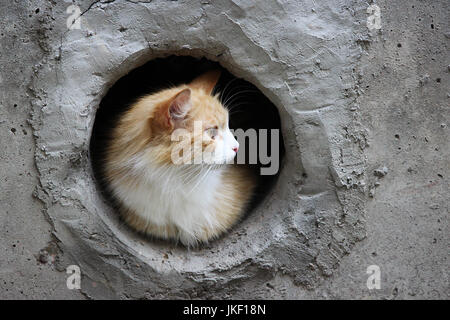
[365,117]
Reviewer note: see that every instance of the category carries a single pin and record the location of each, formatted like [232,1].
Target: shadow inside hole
[249,108]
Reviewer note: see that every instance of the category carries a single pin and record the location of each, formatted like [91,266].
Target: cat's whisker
[238,87]
[202,178]
[237,94]
[190,175]
[233,92]
[232,110]
[237,112]
[226,86]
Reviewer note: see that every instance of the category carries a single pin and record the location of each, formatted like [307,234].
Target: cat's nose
[235,149]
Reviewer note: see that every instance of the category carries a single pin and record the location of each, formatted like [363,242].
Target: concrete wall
[365,116]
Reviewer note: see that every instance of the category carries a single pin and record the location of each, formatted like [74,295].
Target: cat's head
[194,124]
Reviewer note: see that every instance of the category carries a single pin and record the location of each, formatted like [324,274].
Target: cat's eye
[213,131]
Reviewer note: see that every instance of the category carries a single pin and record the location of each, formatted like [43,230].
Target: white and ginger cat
[192,203]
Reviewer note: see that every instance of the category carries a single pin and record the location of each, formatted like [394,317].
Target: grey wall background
[403,110]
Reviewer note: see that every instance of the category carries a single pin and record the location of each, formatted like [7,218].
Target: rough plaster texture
[351,101]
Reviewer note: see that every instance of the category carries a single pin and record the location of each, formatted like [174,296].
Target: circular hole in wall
[248,109]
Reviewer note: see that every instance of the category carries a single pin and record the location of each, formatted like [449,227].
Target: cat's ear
[179,107]
[206,81]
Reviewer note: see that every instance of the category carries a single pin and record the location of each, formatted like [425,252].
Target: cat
[192,203]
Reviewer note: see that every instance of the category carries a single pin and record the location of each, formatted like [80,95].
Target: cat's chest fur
[172,197]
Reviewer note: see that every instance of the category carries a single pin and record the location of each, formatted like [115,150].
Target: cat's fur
[193,203]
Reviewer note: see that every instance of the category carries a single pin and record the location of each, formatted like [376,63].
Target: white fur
[224,145]
[227,153]
[173,195]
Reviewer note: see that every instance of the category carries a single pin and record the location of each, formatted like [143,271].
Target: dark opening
[249,108]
